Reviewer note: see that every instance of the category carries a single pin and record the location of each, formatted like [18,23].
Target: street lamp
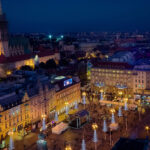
[120,94]
[94,126]
[11,143]
[68,147]
[147,129]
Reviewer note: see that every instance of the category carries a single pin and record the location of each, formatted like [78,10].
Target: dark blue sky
[77,15]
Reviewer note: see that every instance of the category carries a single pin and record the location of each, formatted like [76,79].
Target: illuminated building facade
[16,51]
[67,93]
[121,76]
[24,108]
[17,110]
[14,113]
[43,103]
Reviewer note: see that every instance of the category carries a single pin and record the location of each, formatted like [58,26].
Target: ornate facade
[21,109]
[121,76]
[16,51]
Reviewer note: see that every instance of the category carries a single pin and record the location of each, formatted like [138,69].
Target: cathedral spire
[1,12]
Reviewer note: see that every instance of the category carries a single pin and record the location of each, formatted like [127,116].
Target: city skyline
[72,16]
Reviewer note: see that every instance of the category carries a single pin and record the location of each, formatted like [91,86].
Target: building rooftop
[113,65]
[13,96]
[12,59]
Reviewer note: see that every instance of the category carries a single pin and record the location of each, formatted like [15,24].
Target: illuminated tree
[76,105]
[119,112]
[84,99]
[125,106]
[113,116]
[43,123]
[83,144]
[56,116]
[11,143]
[104,126]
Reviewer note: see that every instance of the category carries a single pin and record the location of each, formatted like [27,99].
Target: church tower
[3,33]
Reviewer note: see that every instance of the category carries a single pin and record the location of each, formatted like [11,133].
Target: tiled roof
[11,59]
[10,100]
[14,98]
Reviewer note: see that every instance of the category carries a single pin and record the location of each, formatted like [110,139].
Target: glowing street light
[8,72]
[147,129]
[84,94]
[120,93]
[68,147]
[94,126]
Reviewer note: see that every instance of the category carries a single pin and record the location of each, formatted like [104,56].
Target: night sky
[77,15]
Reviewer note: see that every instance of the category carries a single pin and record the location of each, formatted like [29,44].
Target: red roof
[11,59]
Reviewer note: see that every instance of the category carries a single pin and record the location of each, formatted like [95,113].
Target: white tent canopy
[58,129]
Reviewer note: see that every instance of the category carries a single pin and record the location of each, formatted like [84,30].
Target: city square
[127,127]
[74,75]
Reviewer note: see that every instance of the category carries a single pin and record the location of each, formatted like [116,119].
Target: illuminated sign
[67,82]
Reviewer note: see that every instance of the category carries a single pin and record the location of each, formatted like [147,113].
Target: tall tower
[3,33]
